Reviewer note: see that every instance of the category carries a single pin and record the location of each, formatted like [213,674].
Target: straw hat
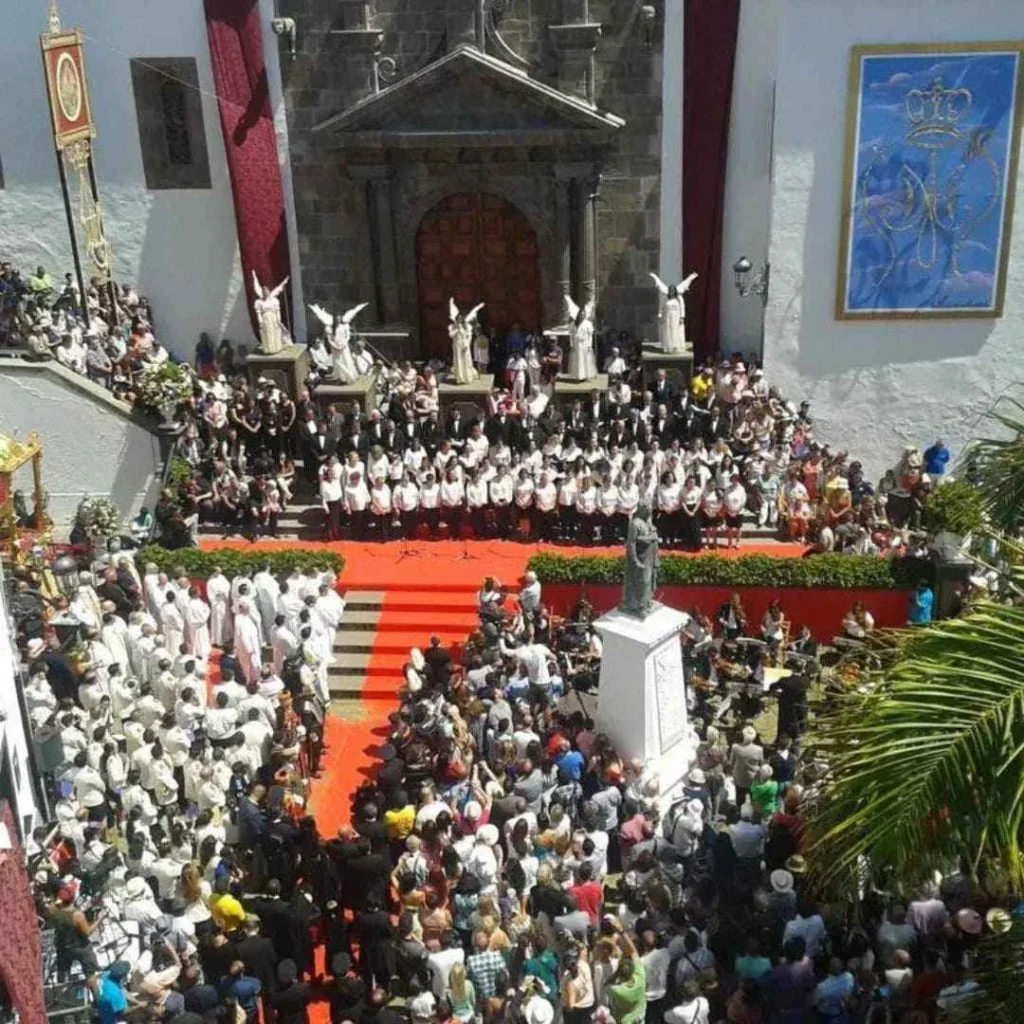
[796,864]
[782,880]
[999,920]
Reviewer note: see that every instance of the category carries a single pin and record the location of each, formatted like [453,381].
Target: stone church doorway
[475,247]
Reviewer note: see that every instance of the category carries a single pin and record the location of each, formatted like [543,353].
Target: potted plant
[163,390]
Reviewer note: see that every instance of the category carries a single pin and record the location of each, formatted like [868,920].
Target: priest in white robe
[248,643]
[284,643]
[218,593]
[267,592]
[173,624]
[155,587]
[198,626]
[114,635]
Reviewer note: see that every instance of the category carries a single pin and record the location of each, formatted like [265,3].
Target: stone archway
[475,247]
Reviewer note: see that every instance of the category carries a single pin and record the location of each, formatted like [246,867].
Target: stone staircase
[354,642]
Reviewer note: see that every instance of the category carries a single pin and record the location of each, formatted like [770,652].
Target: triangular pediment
[468,96]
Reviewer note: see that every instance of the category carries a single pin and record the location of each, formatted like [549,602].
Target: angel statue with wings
[672,314]
[582,360]
[460,330]
[338,332]
[273,334]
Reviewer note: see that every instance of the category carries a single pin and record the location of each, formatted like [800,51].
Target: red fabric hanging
[21,963]
[711,29]
[240,80]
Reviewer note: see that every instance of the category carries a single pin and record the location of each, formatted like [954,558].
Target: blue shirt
[921,604]
[110,1000]
[935,460]
[571,762]
[830,995]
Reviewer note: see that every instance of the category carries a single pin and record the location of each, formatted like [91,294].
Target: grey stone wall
[329,75]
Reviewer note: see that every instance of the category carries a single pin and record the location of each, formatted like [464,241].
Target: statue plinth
[288,368]
[641,700]
[678,366]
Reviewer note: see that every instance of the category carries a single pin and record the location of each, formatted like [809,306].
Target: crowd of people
[724,452]
[110,339]
[505,864]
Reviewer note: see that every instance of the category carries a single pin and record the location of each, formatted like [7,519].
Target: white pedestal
[641,700]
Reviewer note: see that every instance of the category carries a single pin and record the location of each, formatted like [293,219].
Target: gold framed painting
[932,145]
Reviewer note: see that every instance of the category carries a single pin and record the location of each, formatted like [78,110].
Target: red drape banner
[710,30]
[240,79]
[21,962]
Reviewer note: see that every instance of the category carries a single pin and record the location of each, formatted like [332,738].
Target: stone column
[463,23]
[575,44]
[588,186]
[360,44]
[377,183]
[563,230]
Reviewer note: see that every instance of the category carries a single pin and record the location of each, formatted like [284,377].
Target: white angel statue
[460,330]
[273,335]
[672,313]
[339,338]
[582,363]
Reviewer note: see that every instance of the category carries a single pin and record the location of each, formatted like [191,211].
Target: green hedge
[831,571]
[199,564]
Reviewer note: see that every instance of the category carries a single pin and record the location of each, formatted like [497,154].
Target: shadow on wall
[204,277]
[829,346]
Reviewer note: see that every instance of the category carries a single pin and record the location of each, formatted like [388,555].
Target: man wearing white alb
[218,593]
[173,623]
[248,642]
[198,628]
[267,590]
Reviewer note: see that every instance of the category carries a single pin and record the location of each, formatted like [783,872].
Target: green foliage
[199,564]
[927,760]
[828,571]
[955,507]
[997,465]
[178,473]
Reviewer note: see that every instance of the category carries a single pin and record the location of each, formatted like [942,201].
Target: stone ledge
[13,362]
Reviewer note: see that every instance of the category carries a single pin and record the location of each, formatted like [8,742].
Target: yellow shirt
[400,823]
[701,387]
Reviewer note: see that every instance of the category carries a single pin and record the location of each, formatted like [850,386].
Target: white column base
[641,701]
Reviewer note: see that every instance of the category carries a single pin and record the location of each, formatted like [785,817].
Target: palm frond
[927,766]
[997,466]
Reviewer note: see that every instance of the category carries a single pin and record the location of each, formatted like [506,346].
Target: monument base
[288,368]
[641,699]
[471,399]
[678,366]
[360,391]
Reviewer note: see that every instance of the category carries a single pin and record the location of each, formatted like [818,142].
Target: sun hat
[968,921]
[796,864]
[696,776]
[998,920]
[135,888]
[782,880]
[472,811]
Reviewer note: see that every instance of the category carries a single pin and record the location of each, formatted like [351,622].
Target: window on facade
[1,172]
[169,110]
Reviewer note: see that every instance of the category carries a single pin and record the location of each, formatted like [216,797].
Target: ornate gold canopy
[14,453]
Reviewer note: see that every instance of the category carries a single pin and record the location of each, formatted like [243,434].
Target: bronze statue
[640,578]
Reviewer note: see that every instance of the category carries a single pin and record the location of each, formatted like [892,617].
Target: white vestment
[217,591]
[248,646]
[199,630]
[173,627]
[267,592]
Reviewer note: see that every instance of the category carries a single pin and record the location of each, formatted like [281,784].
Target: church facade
[498,152]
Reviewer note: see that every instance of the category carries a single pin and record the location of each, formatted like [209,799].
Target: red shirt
[589,896]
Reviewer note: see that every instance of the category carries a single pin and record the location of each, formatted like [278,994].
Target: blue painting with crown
[929,187]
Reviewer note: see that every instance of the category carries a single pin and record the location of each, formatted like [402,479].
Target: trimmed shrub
[835,572]
[199,564]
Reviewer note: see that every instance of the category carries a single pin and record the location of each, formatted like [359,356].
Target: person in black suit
[431,434]
[408,426]
[357,441]
[457,429]
[662,389]
[110,590]
[369,826]
[595,409]
[376,431]
[662,427]
[576,422]
[528,429]
[501,426]
[256,952]
[376,944]
[291,1000]
[439,662]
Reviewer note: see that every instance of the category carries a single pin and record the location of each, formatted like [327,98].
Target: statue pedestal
[641,699]
[471,398]
[341,395]
[288,368]
[678,366]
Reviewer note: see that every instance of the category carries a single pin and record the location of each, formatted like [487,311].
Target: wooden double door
[476,247]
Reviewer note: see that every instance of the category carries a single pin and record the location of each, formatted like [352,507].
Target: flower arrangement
[164,388]
[98,517]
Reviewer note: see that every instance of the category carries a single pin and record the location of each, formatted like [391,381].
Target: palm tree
[925,761]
